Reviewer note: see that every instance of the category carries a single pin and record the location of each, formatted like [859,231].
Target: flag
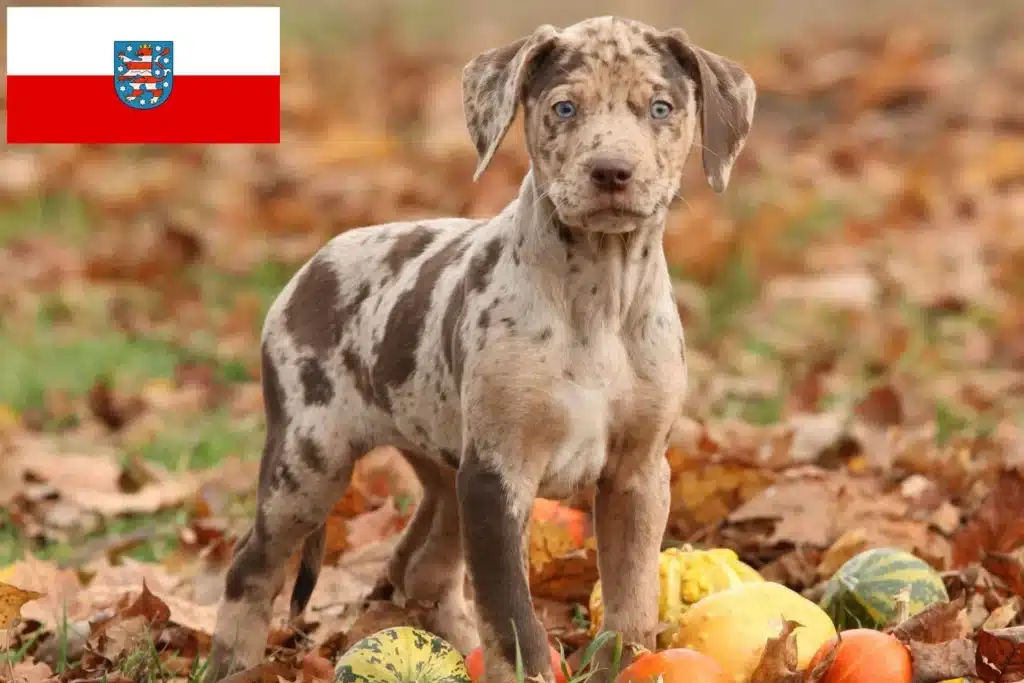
[94,75]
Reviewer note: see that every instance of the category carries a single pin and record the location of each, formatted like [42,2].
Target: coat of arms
[143,72]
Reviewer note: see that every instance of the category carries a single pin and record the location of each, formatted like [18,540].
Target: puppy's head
[611,109]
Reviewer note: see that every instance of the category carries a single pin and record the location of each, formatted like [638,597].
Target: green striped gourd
[401,655]
[862,594]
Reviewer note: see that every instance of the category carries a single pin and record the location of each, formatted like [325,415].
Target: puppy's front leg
[631,510]
[494,512]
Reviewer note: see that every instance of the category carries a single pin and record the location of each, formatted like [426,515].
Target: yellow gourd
[733,626]
[685,576]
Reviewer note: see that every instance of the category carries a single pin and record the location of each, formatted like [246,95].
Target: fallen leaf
[796,569]
[92,482]
[934,662]
[998,524]
[1004,615]
[264,672]
[1000,654]
[112,409]
[375,525]
[31,671]
[1007,567]
[384,614]
[12,599]
[316,668]
[779,662]
[881,406]
[60,589]
[849,544]
[121,636]
[149,607]
[130,626]
[937,623]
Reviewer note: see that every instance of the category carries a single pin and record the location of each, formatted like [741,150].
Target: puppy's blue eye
[565,109]
[660,109]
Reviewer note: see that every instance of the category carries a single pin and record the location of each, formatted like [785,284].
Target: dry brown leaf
[376,525]
[934,662]
[131,625]
[60,590]
[779,661]
[1007,567]
[12,599]
[30,671]
[1003,615]
[937,623]
[316,669]
[1000,654]
[122,635]
[382,614]
[850,543]
[93,482]
[882,407]
[997,526]
[798,510]
[264,672]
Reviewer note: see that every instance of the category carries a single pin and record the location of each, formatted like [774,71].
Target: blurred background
[855,299]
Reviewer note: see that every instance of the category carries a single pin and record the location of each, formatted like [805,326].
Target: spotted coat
[534,353]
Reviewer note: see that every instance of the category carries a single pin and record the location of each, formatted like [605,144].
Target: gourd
[862,593]
[866,656]
[733,626]
[401,655]
[677,665]
[685,575]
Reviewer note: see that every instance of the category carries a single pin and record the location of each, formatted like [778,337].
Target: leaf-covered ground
[854,308]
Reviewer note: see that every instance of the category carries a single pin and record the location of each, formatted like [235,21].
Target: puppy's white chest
[611,412]
[580,458]
[592,382]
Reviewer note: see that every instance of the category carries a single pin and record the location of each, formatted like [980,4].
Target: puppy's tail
[309,570]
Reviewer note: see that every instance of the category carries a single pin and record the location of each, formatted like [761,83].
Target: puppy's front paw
[453,620]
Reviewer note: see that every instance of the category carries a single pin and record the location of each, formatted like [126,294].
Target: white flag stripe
[79,41]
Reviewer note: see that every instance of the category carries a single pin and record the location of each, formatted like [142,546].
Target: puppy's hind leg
[307,463]
[430,565]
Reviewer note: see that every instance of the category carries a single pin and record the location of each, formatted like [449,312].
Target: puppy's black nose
[611,174]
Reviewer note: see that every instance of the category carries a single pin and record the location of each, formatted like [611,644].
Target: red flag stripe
[100,117]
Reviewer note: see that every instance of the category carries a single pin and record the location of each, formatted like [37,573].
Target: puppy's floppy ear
[492,86]
[725,99]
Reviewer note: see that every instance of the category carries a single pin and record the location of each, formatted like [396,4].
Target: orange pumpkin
[865,656]
[475,665]
[678,665]
[576,522]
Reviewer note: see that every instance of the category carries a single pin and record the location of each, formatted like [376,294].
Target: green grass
[61,215]
[64,342]
[159,539]
[202,443]
[219,289]
[824,218]
[48,358]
